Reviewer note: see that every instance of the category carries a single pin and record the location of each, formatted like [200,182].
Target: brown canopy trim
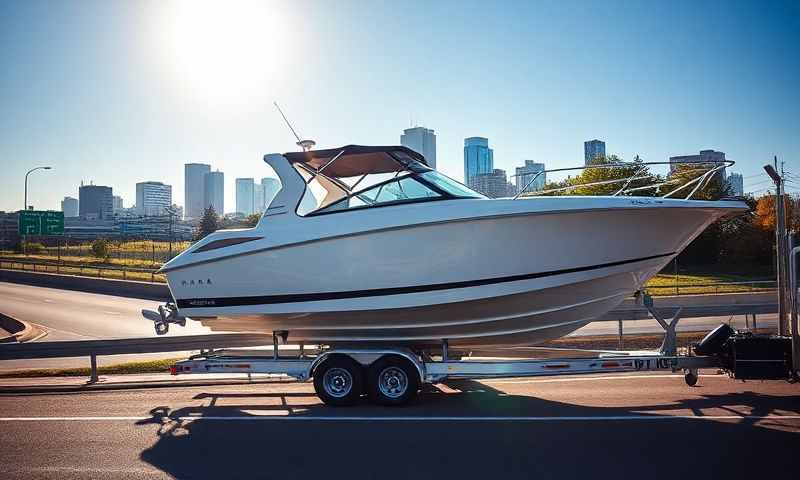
[357,160]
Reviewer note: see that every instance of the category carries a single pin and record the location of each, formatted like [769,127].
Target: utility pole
[780,244]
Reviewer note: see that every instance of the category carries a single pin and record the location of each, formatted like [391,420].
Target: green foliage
[713,189]
[608,180]
[100,248]
[208,224]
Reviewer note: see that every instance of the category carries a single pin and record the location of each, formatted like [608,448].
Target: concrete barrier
[18,330]
[119,288]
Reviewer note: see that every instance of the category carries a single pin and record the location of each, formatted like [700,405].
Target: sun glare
[225,51]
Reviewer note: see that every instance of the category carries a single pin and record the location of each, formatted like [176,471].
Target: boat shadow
[459,432]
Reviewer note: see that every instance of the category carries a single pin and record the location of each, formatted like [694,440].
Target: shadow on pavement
[368,448]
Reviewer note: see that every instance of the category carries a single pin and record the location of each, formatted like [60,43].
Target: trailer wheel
[691,377]
[339,381]
[392,381]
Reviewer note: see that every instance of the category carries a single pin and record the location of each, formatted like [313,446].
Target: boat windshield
[400,190]
[449,185]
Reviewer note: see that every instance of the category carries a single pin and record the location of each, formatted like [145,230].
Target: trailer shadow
[427,439]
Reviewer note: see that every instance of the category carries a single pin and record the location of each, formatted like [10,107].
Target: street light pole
[25,205]
[780,246]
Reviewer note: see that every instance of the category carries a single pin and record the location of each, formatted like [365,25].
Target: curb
[21,331]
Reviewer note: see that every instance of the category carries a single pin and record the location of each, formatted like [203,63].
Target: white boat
[418,258]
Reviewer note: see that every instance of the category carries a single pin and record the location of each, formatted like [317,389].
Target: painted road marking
[616,418]
[586,379]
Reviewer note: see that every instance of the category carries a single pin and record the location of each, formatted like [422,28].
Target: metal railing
[699,182]
[99,271]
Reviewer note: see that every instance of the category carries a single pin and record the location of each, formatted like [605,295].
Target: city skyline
[141,100]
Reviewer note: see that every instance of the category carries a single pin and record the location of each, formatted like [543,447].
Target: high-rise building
[96,202]
[736,181]
[478,157]
[214,191]
[245,196]
[421,140]
[706,159]
[525,174]
[593,149]
[271,187]
[69,206]
[117,204]
[153,198]
[493,185]
[194,188]
[258,198]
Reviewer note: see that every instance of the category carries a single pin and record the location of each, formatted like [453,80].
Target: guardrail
[122,272]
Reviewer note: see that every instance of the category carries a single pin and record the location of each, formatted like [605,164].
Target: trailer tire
[339,381]
[392,381]
[691,377]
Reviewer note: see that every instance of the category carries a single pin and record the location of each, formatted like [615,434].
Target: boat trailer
[393,375]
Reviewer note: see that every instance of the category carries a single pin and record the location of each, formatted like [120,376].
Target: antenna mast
[306,145]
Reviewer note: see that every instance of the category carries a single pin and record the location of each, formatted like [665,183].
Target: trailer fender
[368,357]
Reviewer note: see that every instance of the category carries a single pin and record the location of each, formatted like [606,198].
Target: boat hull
[507,277]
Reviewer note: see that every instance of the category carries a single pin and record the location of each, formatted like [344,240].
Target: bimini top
[356,160]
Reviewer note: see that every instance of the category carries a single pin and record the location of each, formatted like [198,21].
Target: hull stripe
[314,297]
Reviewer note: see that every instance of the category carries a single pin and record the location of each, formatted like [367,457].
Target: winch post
[670,344]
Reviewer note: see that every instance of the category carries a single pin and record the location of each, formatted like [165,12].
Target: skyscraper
[421,140]
[478,158]
[117,204]
[69,206]
[593,149]
[271,187]
[736,181]
[258,198]
[194,188]
[493,185]
[96,202]
[525,174]
[245,196]
[153,198]
[214,191]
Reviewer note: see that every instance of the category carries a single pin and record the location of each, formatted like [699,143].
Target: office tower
[736,181]
[493,185]
[258,198]
[194,188]
[153,198]
[69,206]
[526,173]
[706,159]
[95,202]
[214,191]
[478,158]
[421,140]
[271,187]
[245,196]
[593,149]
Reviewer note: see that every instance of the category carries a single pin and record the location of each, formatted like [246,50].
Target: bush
[100,248]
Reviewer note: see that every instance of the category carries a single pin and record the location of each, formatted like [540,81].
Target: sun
[225,51]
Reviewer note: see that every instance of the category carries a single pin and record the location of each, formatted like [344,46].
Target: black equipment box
[761,357]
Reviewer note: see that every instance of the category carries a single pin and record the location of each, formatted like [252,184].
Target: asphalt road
[624,426]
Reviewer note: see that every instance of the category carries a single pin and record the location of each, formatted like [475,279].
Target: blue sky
[123,91]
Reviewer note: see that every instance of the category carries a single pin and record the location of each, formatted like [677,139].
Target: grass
[149,366]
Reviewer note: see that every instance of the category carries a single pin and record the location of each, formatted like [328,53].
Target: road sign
[37,222]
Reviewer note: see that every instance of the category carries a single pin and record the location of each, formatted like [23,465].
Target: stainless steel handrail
[701,180]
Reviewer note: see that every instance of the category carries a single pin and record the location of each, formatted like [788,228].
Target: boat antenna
[306,145]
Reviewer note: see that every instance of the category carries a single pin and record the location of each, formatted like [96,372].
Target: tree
[100,248]
[608,180]
[765,213]
[252,219]
[208,224]
[713,188]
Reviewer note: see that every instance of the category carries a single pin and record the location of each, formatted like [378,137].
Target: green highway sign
[37,222]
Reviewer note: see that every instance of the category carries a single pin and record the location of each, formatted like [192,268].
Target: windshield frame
[413,175]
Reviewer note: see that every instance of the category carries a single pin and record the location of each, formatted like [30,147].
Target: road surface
[70,315]
[623,426]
